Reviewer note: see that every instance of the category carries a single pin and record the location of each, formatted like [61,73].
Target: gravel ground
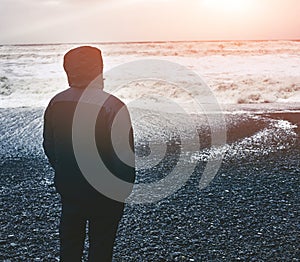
[250,212]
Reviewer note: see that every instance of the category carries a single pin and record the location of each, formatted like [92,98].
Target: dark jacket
[58,120]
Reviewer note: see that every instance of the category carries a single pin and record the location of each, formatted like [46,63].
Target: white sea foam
[237,72]
[278,135]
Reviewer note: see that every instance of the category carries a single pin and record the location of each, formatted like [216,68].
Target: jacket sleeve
[131,160]
[122,143]
[116,141]
[48,142]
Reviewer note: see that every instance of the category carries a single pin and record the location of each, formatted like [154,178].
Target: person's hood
[82,65]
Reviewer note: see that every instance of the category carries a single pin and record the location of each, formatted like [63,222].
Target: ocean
[219,119]
[238,72]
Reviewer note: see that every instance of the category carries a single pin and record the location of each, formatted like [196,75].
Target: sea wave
[237,72]
[196,48]
[5,86]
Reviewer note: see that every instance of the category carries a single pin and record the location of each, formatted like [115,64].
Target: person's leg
[102,234]
[72,232]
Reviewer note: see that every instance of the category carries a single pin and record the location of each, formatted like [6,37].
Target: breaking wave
[5,86]
[238,72]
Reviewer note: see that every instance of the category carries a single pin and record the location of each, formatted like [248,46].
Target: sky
[87,21]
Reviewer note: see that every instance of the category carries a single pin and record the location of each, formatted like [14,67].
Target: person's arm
[127,170]
[116,141]
[48,143]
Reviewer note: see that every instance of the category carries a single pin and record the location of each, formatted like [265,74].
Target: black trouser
[103,220]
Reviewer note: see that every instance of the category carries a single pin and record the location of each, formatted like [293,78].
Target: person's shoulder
[113,101]
[112,97]
[64,96]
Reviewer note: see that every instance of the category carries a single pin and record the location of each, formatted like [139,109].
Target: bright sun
[227,5]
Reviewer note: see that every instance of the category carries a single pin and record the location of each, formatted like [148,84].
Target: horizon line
[145,42]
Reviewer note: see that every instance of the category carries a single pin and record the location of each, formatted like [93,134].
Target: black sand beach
[250,211]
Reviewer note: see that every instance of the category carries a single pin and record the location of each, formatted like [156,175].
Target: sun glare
[227,5]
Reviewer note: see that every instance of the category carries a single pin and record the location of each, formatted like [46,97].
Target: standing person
[81,202]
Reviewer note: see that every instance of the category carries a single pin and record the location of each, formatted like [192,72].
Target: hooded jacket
[82,66]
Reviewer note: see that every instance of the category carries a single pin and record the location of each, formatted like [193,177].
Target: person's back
[81,202]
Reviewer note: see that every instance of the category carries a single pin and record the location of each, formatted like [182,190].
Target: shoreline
[21,132]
